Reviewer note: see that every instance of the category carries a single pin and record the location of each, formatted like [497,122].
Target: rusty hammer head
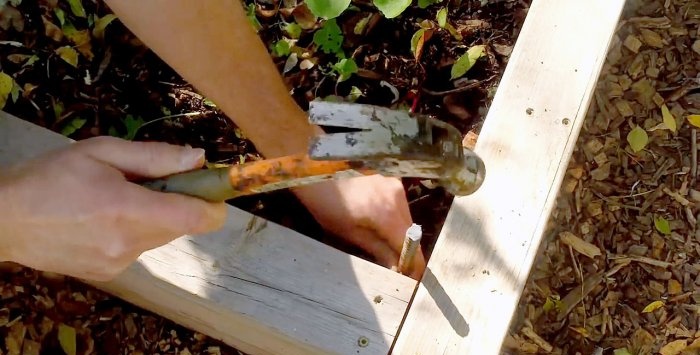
[396,143]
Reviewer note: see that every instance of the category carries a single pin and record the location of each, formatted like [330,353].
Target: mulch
[619,273]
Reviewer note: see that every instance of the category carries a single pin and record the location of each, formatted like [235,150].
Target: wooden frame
[265,289]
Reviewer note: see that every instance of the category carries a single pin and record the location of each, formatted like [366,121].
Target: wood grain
[485,251]
[256,285]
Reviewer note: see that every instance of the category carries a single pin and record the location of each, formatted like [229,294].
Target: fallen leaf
[6,84]
[694,120]
[68,54]
[467,61]
[668,118]
[99,30]
[588,249]
[418,40]
[662,225]
[76,6]
[304,17]
[637,139]
[66,337]
[696,46]
[81,39]
[621,351]
[673,348]
[674,287]
[441,17]
[653,306]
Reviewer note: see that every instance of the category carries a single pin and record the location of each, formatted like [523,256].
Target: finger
[177,213]
[145,159]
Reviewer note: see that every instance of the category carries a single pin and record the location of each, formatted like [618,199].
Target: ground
[623,232]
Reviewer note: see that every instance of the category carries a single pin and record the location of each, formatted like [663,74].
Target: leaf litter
[640,295]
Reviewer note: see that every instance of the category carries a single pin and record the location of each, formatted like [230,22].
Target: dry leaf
[653,306]
[668,118]
[588,249]
[674,347]
[674,287]
[66,337]
[694,120]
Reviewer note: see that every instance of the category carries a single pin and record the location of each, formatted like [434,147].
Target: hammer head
[396,143]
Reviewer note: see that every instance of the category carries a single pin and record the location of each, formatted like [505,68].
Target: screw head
[363,341]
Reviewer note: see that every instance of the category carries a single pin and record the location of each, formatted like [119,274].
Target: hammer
[379,141]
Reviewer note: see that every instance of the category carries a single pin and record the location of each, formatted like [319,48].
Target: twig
[611,201]
[467,87]
[694,155]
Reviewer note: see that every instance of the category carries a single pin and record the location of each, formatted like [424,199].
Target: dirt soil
[119,87]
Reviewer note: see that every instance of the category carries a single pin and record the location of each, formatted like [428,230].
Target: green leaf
[415,39]
[668,118]
[621,351]
[329,38]
[72,126]
[14,93]
[132,126]
[6,83]
[281,48]
[467,61]
[442,17]
[30,61]
[345,68]
[293,30]
[327,9]
[252,18]
[361,25]
[68,54]
[662,225]
[355,93]
[392,8]
[99,30]
[60,15]
[76,6]
[425,3]
[66,337]
[638,139]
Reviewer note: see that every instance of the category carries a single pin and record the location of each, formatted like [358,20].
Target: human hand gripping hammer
[379,141]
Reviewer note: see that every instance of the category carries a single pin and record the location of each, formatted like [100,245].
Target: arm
[211,44]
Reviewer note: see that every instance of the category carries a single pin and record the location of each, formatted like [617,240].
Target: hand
[370,212]
[73,211]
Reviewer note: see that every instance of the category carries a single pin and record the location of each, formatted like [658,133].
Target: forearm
[211,44]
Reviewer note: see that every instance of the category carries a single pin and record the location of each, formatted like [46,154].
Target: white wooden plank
[256,285]
[485,251]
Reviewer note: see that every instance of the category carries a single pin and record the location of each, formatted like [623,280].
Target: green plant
[330,9]
[329,38]
[345,68]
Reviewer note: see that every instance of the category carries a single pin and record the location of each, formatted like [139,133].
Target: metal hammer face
[396,143]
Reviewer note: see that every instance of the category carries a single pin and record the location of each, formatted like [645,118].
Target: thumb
[144,159]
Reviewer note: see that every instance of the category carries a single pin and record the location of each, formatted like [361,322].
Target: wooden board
[486,248]
[257,286]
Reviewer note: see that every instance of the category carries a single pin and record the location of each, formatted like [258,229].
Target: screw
[363,342]
[410,245]
[565,121]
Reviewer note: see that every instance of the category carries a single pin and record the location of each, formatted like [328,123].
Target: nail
[192,158]
[410,245]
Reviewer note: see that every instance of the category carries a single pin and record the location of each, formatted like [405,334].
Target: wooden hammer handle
[221,184]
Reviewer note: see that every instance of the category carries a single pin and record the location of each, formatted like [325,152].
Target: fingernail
[192,158]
